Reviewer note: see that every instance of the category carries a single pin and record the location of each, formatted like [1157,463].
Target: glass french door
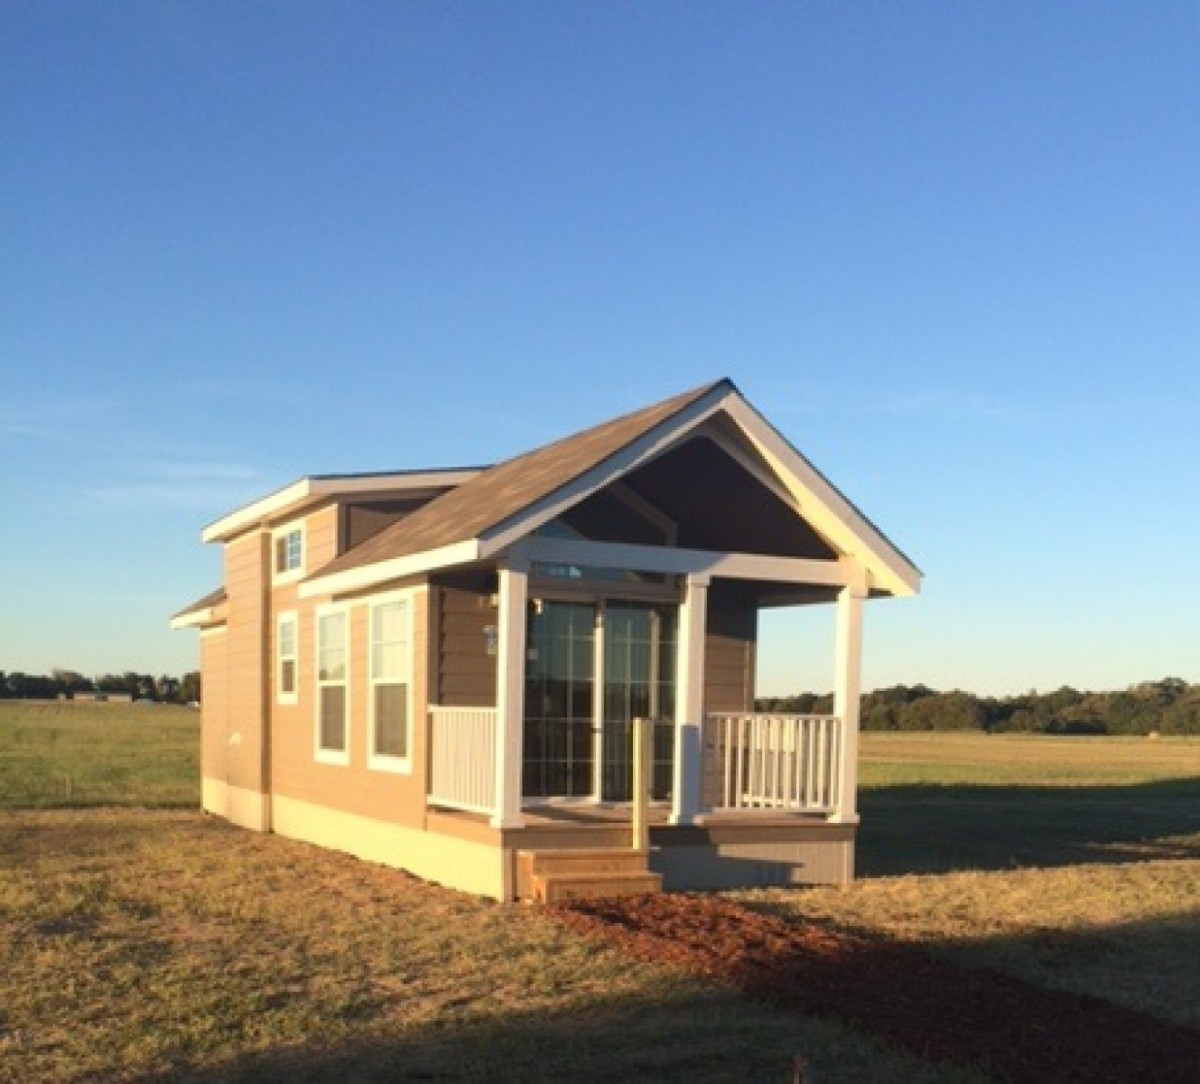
[592,668]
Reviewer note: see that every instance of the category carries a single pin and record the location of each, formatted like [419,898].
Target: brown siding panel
[729,649]
[466,673]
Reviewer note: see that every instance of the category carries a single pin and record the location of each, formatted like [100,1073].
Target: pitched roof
[487,501]
[199,611]
[292,499]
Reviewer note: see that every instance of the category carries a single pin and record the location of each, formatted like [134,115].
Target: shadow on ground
[929,829]
[939,1010]
[707,1037]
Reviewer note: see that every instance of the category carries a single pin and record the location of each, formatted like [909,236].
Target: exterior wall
[214,721]
[465,672]
[468,865]
[361,520]
[356,789]
[750,855]
[247,666]
[729,649]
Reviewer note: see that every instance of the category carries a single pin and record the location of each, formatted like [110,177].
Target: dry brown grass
[159,946]
[1128,933]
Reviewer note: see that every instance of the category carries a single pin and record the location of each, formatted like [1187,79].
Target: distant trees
[1169,706]
[59,683]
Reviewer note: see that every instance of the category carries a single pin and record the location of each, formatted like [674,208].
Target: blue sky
[950,250]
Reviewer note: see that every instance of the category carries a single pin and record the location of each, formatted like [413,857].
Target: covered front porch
[549,763]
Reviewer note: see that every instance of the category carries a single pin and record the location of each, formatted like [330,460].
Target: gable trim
[826,510]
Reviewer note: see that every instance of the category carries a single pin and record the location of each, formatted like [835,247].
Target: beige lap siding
[356,787]
[247,665]
[214,717]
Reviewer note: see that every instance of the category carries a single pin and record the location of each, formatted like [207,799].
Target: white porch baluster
[847,695]
[689,701]
[510,693]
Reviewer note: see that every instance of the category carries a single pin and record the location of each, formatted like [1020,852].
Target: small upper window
[288,560]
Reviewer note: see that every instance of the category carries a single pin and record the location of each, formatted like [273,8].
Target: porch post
[848,694]
[510,693]
[689,701]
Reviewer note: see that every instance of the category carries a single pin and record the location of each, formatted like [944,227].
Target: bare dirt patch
[1010,1029]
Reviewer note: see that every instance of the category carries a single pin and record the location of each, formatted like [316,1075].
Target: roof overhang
[293,499]
[398,568]
[204,612]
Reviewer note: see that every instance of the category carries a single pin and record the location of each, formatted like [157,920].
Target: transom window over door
[332,715]
[391,684]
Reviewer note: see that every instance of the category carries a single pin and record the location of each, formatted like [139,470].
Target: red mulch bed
[1010,1029]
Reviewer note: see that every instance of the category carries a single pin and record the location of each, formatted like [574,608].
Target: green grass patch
[954,759]
[936,803]
[76,755]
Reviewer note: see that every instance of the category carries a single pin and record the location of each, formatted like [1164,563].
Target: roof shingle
[508,488]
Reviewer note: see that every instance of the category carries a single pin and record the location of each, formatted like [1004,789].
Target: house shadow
[940,829]
[950,1015]
[702,1035]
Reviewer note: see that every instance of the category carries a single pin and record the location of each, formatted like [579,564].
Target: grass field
[77,755]
[153,945]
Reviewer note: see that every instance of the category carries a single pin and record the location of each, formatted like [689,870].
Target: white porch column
[689,701]
[510,693]
[848,694]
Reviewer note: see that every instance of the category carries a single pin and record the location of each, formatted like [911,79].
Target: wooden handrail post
[642,752]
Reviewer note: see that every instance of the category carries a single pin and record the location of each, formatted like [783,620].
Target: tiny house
[440,670]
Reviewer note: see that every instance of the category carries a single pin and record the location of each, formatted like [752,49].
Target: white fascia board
[357,579]
[829,513]
[639,451]
[195,619]
[254,514]
[684,562]
[290,499]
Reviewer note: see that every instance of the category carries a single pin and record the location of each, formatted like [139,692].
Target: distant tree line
[164,689]
[1170,706]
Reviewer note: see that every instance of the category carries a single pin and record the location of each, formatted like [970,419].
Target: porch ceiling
[719,505]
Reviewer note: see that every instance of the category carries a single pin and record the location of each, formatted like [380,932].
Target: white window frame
[321,754]
[288,575]
[282,696]
[387,762]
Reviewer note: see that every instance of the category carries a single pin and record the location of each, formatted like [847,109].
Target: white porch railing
[784,763]
[462,763]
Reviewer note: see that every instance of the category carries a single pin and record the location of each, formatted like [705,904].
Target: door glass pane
[639,681]
[559,700]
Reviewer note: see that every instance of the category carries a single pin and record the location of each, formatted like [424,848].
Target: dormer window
[287,562]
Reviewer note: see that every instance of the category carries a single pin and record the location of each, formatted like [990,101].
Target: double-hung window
[286,658]
[391,684]
[333,738]
[287,554]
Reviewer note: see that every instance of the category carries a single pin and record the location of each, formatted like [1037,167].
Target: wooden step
[590,859]
[559,888]
[552,875]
